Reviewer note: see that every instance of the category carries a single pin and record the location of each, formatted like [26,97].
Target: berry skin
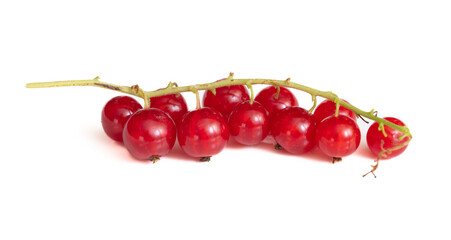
[328,107]
[338,136]
[115,114]
[172,104]
[294,130]
[249,124]
[374,138]
[203,133]
[149,134]
[226,98]
[267,98]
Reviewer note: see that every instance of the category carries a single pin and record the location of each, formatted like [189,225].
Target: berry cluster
[228,111]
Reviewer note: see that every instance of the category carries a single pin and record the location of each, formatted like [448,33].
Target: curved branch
[229,81]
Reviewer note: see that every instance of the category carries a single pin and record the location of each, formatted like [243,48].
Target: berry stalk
[132,90]
[173,88]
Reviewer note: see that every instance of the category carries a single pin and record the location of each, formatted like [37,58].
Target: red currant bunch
[228,111]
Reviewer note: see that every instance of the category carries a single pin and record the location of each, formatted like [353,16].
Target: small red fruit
[172,104]
[267,97]
[249,123]
[115,114]
[377,142]
[226,98]
[338,136]
[149,134]
[294,130]
[203,133]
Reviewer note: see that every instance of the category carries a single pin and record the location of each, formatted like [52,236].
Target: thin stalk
[134,90]
[249,85]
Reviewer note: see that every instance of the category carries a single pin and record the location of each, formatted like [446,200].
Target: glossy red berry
[149,133]
[249,123]
[267,97]
[338,136]
[203,133]
[377,141]
[328,107]
[115,114]
[172,104]
[226,98]
[294,130]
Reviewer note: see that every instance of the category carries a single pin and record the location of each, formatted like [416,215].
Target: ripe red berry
[149,134]
[338,136]
[203,133]
[377,142]
[294,130]
[115,114]
[328,107]
[172,104]
[249,123]
[267,97]
[226,98]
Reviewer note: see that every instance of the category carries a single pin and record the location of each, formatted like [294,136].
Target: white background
[62,178]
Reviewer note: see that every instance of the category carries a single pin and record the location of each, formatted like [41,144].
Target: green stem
[173,89]
[249,85]
[133,90]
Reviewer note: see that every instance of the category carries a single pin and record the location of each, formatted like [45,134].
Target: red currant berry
[267,97]
[249,123]
[203,133]
[294,130]
[377,142]
[328,107]
[149,134]
[226,98]
[337,136]
[172,104]
[115,114]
